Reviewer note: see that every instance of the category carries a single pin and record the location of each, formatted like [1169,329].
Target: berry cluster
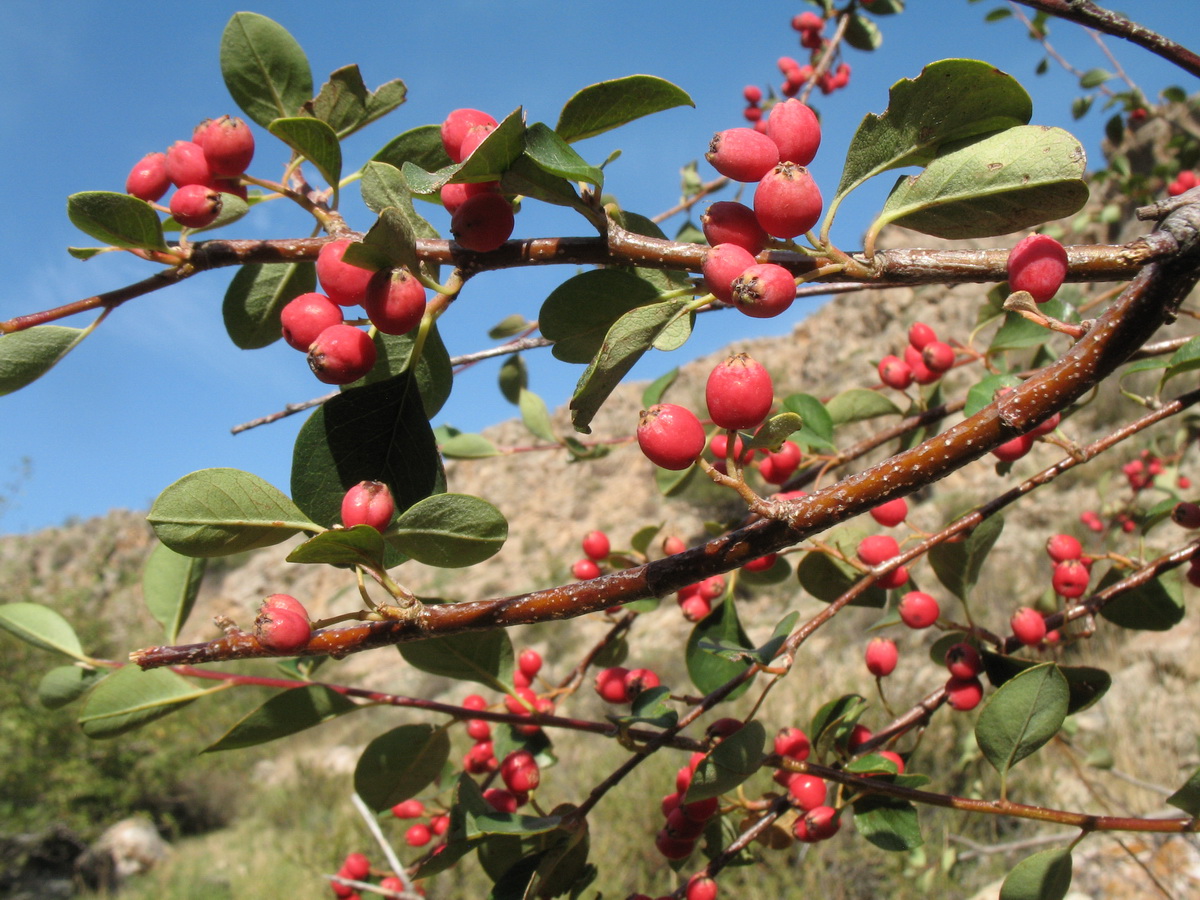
[811,28]
[596,547]
[357,867]
[617,684]
[1184,181]
[685,822]
[926,360]
[481,218]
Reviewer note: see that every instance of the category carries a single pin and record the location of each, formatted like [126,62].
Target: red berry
[761,564]
[721,265]
[818,824]
[701,887]
[695,608]
[793,743]
[739,393]
[1038,264]
[808,21]
[1047,425]
[439,824]
[638,680]
[964,693]
[585,570]
[1186,515]
[148,179]
[921,373]
[787,200]
[306,316]
[779,466]
[921,335]
[529,662]
[701,810]
[395,301]
[892,513]
[764,291]
[742,154]
[520,772]
[456,126]
[893,757]
[392,884]
[418,835]
[483,223]
[937,356]
[752,93]
[670,436]
[186,164]
[195,206]
[893,579]
[673,544]
[475,136]
[455,195]
[919,610]
[481,758]
[479,730]
[474,701]
[795,130]
[673,848]
[356,867]
[1071,578]
[679,825]
[1063,546]
[1011,451]
[343,283]
[881,657]
[368,503]
[341,354]
[895,372]
[963,660]
[286,601]
[877,548]
[228,145]
[281,629]
[610,684]
[712,587]
[730,222]
[1028,625]
[596,545]
[807,791]
[859,735]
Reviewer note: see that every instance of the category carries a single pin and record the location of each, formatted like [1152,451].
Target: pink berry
[341,354]
[964,694]
[739,393]
[409,809]
[695,608]
[877,548]
[701,887]
[963,660]
[638,680]
[483,223]
[343,283]
[281,629]
[596,545]
[286,601]
[610,684]
[793,743]
[418,835]
[895,372]
[392,884]
[520,772]
[529,662]
[670,436]
[454,195]
[764,291]
[475,136]
[787,200]
[808,21]
[881,658]
[921,335]
[721,265]
[306,316]
[892,513]
[368,503]
[195,206]
[1028,625]
[1186,515]
[742,154]
[148,179]
[585,570]
[1038,264]
[1047,425]
[456,126]
[481,758]
[395,301]
[1071,578]
[186,164]
[1012,450]
[730,222]
[795,130]
[752,93]
[1062,547]
[919,610]
[228,145]
[938,356]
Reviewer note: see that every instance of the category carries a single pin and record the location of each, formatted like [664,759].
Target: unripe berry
[919,610]
[721,265]
[585,570]
[1028,625]
[356,866]
[963,660]
[596,545]
[306,316]
[787,201]
[529,662]
[964,694]
[1037,264]
[742,154]
[195,206]
[877,548]
[456,126]
[1071,578]
[1062,547]
[418,835]
[921,335]
[148,179]
[395,301]
[739,393]
[937,356]
[701,887]
[610,684]
[895,372]
[670,436]
[638,680]
[368,503]
[341,354]
[343,283]
[795,130]
[483,223]
[764,290]
[281,629]
[228,146]
[730,222]
[1011,451]
[455,195]
[1186,515]
[186,164]
[892,513]
[793,743]
[881,658]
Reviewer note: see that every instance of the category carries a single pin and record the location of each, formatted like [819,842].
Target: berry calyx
[1037,264]
[938,356]
[670,436]
[742,154]
[739,393]
[368,503]
[638,680]
[795,131]
[818,824]
[881,657]
[1029,626]
[483,223]
[341,354]
[918,609]
[306,316]
[787,201]
[343,283]
[395,301]
[148,179]
[763,291]
[195,205]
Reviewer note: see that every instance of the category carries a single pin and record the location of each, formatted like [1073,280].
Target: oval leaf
[450,531]
[361,545]
[170,585]
[286,713]
[610,104]
[421,146]
[315,141]
[41,626]
[707,670]
[1043,876]
[130,698]
[347,105]
[117,219]
[858,405]
[888,822]
[1025,713]
[25,356]
[468,446]
[554,155]
[827,579]
[63,685]
[1154,606]
[485,657]
[957,565]
[730,763]
[579,312]
[256,296]
[265,70]
[535,415]
[215,512]
[399,764]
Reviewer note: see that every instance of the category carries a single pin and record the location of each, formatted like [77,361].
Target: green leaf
[361,545]
[130,698]
[554,155]
[315,141]
[827,579]
[374,433]
[1025,713]
[399,764]
[42,627]
[655,390]
[1094,78]
[64,685]
[170,585]
[1044,876]
[468,446]
[629,337]
[888,822]
[420,146]
[833,722]
[346,105]
[116,219]
[863,34]
[1018,333]
[1187,797]
[707,670]
[1154,606]
[513,378]
[383,187]
[775,431]
[730,763]
[509,326]
[485,657]
[950,100]
[389,243]
[265,70]
[957,565]
[256,296]
[535,415]
[610,104]
[216,512]
[579,312]
[817,433]
[450,531]
[1016,179]
[232,208]
[497,152]
[983,392]
[1185,359]
[650,707]
[287,713]
[859,405]
[25,356]
[1085,684]
[511,823]
[434,375]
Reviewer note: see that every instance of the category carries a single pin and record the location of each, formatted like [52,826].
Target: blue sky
[87,88]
